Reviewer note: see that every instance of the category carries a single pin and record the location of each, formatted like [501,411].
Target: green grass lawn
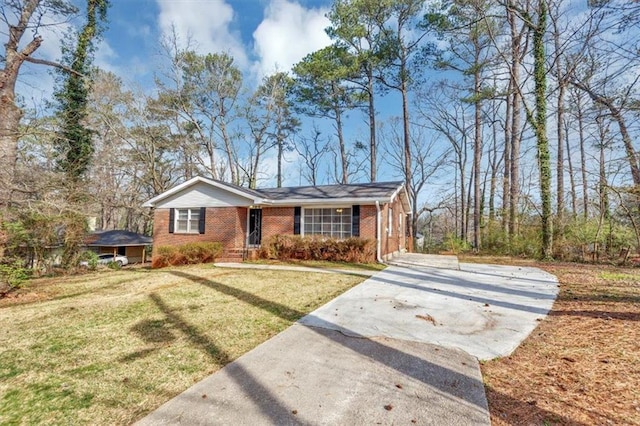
[109,347]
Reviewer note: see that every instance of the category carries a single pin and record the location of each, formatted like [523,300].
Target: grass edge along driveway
[109,347]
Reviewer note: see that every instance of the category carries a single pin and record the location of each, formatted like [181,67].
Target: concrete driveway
[485,310]
[400,348]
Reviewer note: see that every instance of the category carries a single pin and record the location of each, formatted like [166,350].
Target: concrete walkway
[258,266]
[399,348]
[416,260]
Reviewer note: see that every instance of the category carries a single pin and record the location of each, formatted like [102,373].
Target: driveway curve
[400,348]
[485,310]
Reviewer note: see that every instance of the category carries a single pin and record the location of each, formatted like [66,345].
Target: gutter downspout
[378,233]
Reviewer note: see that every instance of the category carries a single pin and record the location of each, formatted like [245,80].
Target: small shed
[121,242]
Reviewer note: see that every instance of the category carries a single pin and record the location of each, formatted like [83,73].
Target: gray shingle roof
[117,238]
[251,192]
[359,190]
[366,192]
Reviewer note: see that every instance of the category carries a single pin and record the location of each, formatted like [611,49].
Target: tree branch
[52,64]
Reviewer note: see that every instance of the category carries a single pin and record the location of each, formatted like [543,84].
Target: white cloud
[205,24]
[105,57]
[287,34]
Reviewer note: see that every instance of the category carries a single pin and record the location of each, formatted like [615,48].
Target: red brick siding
[397,240]
[277,221]
[368,222]
[226,225]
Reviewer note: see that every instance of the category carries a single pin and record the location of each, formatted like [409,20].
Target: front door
[255,227]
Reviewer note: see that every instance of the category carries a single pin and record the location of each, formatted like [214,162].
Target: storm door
[255,227]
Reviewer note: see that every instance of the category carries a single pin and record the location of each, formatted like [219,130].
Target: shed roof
[117,238]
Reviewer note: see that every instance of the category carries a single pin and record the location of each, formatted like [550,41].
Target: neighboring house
[125,243]
[209,210]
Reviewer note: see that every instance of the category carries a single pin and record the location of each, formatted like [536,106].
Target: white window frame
[390,222]
[322,234]
[190,228]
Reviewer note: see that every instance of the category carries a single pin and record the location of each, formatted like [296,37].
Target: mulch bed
[581,365]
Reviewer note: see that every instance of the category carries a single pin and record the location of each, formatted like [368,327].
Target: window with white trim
[328,222]
[187,221]
[390,224]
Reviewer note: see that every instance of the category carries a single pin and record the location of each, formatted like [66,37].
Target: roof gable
[202,192]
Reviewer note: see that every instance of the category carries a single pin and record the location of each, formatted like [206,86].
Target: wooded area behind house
[513,123]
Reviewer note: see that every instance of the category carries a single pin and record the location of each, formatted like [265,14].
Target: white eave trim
[152,202]
[406,201]
[325,201]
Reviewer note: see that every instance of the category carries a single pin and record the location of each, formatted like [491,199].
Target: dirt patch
[580,365]
[427,318]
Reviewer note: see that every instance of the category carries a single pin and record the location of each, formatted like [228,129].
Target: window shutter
[355,221]
[296,220]
[172,219]
[201,222]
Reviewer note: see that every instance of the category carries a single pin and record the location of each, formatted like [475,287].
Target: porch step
[235,255]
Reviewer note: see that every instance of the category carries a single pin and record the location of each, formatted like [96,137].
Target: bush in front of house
[13,273]
[294,247]
[186,254]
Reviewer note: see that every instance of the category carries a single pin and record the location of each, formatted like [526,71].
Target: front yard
[581,365]
[109,347]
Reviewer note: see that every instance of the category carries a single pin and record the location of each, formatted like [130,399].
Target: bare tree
[312,150]
[428,160]
[20,17]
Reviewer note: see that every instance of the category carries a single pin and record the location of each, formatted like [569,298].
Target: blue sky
[261,34]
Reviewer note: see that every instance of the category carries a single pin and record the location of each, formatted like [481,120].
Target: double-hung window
[328,222]
[187,221]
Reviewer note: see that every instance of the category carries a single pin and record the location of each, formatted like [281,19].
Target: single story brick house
[202,209]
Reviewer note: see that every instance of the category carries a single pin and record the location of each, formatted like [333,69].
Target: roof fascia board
[315,201]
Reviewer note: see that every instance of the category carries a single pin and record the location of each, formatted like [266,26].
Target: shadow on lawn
[604,315]
[277,411]
[516,412]
[263,398]
[402,362]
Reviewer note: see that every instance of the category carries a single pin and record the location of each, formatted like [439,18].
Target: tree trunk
[583,158]
[514,178]
[407,136]
[280,152]
[506,155]
[228,147]
[560,157]
[10,113]
[494,175]
[372,124]
[10,116]
[463,204]
[342,148]
[477,158]
[540,128]
[572,180]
